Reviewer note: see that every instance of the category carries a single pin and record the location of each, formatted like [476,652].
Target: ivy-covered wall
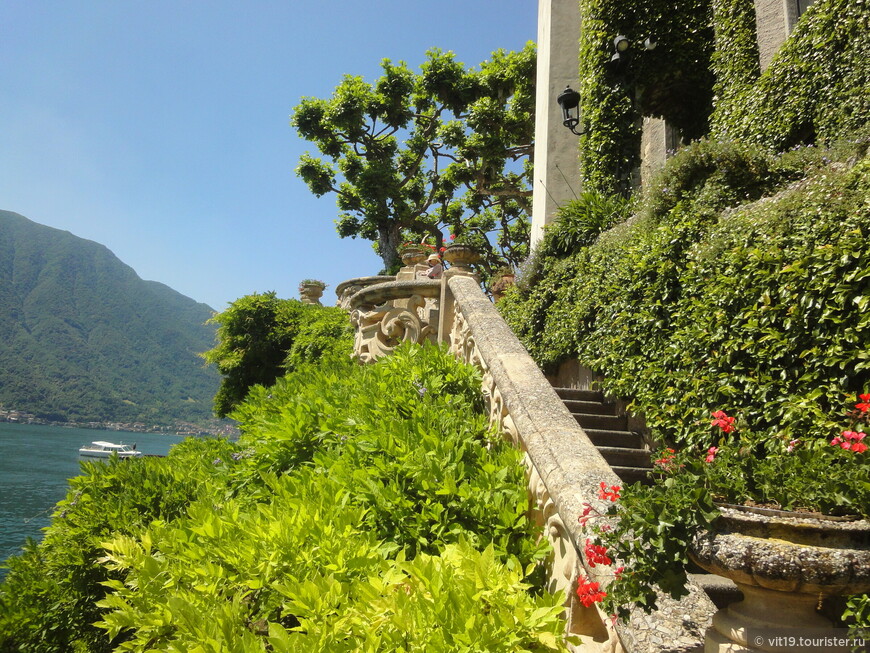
[673,81]
[703,77]
[817,87]
[742,285]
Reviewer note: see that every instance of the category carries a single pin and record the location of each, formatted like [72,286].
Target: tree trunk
[388,246]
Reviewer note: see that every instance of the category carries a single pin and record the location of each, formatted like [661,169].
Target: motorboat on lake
[101,449]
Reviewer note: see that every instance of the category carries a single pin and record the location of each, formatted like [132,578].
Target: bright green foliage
[656,524]
[689,307]
[365,508]
[47,601]
[260,337]
[580,221]
[416,153]
[815,90]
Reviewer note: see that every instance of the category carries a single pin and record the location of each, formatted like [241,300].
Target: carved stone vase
[785,563]
[461,256]
[310,293]
[413,255]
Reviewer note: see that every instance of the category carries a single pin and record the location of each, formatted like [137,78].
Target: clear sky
[160,128]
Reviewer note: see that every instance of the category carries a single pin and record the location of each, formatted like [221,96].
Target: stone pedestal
[785,564]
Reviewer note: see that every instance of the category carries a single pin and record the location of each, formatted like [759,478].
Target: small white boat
[100,449]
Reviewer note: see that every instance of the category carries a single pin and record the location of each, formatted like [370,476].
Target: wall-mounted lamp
[569,100]
[621,54]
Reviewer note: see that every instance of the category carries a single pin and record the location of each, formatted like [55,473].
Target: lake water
[35,463]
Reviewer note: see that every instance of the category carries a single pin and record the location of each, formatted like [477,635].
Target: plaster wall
[556,155]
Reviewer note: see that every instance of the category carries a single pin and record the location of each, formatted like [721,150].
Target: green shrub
[363,508]
[580,221]
[814,91]
[697,304]
[260,337]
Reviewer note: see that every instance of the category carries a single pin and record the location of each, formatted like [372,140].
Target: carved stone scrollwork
[381,329]
[564,561]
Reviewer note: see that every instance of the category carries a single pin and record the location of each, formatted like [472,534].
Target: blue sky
[160,128]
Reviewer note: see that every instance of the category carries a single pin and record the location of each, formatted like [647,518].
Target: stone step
[580,395]
[614,438]
[602,422]
[622,457]
[590,407]
[629,475]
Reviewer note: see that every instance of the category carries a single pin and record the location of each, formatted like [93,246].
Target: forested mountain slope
[83,338]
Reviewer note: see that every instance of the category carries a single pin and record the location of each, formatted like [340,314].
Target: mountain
[83,338]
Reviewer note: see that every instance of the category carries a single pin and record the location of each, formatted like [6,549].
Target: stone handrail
[564,468]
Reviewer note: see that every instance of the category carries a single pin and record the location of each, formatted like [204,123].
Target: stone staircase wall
[572,444]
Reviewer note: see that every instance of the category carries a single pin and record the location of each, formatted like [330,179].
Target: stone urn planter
[461,256]
[502,282]
[413,256]
[785,563]
[310,292]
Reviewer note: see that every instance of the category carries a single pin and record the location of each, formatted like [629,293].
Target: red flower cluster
[850,440]
[711,454]
[596,554]
[612,493]
[585,517]
[864,405]
[588,592]
[722,420]
[666,458]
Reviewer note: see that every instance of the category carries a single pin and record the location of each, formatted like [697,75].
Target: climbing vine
[816,88]
[671,81]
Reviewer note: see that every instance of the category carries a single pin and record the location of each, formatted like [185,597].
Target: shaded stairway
[622,448]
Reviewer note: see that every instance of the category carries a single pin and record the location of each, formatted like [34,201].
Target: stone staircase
[623,449]
[626,453]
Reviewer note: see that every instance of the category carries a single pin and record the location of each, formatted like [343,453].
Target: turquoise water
[35,463]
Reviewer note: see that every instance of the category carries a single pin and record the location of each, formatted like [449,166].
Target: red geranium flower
[711,454]
[612,493]
[596,554]
[588,592]
[722,420]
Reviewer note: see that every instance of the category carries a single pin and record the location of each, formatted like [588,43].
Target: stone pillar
[774,20]
[658,141]
[556,149]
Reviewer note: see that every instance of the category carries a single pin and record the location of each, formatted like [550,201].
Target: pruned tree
[418,155]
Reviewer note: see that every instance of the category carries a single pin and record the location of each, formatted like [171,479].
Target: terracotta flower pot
[784,563]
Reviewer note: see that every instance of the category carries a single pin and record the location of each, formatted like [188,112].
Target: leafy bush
[740,285]
[815,90]
[580,221]
[48,599]
[363,508]
[260,337]
[690,307]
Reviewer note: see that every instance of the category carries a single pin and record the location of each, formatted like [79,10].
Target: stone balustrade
[564,469]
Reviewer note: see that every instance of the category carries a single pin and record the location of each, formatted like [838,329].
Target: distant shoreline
[181,430]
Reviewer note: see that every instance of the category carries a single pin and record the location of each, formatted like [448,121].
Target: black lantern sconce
[569,100]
